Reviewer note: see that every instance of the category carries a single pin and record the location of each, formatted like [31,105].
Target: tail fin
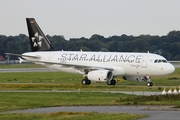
[38,40]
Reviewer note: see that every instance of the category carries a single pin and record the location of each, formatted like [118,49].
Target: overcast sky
[83,18]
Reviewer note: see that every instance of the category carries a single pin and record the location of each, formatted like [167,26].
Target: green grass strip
[71,116]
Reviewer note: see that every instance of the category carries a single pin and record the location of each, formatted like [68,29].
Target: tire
[108,82]
[112,82]
[149,84]
[83,82]
[88,82]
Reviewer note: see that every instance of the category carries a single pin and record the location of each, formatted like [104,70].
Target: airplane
[94,66]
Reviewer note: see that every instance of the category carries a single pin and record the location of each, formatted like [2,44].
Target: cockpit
[160,61]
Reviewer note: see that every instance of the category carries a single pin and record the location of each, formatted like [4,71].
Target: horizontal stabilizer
[20,55]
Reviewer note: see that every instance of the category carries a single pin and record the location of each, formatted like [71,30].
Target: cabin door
[50,59]
[144,61]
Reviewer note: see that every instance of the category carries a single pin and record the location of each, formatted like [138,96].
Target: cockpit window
[164,61]
[160,61]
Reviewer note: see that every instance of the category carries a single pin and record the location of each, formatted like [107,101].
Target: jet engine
[100,75]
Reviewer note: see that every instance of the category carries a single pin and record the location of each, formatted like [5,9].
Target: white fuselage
[120,63]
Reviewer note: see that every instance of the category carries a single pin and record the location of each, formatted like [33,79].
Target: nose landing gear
[149,83]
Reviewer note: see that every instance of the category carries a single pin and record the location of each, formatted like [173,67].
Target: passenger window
[159,61]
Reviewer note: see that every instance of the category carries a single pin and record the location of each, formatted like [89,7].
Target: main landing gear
[85,81]
[112,82]
[149,83]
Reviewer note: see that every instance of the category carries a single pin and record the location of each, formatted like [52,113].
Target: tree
[169,44]
[174,36]
[113,46]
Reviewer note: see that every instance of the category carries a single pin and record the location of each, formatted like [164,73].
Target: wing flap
[77,66]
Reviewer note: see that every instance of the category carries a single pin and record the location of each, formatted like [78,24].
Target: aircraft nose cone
[170,69]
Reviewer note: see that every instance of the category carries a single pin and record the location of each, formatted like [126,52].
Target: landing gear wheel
[108,82]
[86,82]
[149,84]
[112,82]
[83,82]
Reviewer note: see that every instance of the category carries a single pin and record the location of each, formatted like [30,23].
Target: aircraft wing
[63,64]
[89,67]
[77,66]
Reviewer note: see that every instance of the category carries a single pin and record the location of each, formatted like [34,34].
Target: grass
[58,77]
[65,81]
[54,80]
[18,100]
[22,100]
[40,77]
[168,99]
[71,86]
[72,115]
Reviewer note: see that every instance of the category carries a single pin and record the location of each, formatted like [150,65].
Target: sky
[84,18]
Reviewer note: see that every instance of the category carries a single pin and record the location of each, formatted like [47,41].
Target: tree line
[167,46]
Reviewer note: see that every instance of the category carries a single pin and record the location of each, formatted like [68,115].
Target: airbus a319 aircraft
[94,66]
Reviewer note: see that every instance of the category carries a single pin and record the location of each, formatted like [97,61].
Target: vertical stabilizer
[38,40]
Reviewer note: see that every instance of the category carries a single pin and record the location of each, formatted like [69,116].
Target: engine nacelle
[136,78]
[100,75]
